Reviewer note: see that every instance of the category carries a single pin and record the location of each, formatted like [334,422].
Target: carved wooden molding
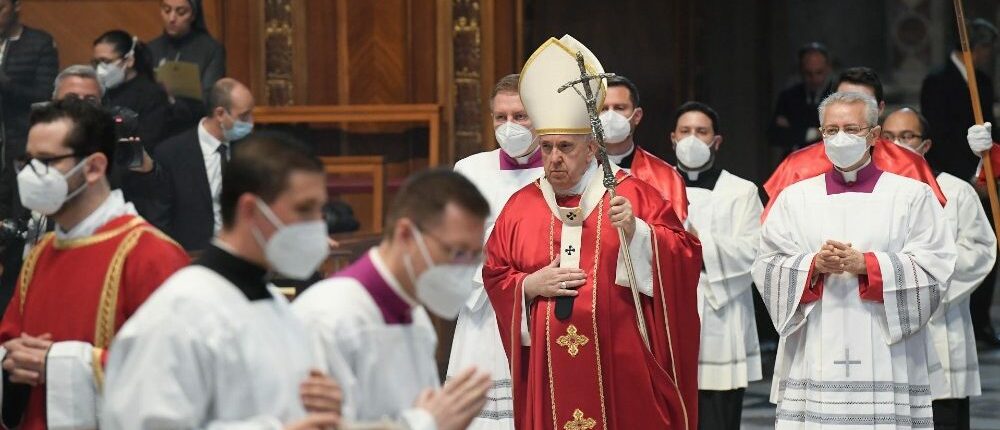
[467,76]
[279,84]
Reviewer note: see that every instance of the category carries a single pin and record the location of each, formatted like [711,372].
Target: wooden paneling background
[342,52]
[76,23]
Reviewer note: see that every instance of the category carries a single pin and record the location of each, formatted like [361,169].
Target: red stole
[663,177]
[593,368]
[84,289]
[812,161]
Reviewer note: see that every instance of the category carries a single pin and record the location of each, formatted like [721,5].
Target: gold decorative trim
[572,340]
[105,326]
[666,323]
[587,66]
[98,367]
[593,310]
[552,240]
[548,359]
[580,422]
[100,237]
[28,268]
[545,131]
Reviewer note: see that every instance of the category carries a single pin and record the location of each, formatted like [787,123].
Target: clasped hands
[835,258]
[25,359]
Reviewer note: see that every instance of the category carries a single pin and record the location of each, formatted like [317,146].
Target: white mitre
[551,66]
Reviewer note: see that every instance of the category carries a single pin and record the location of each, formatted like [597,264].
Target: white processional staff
[589,98]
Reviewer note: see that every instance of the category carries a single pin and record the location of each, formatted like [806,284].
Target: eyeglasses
[906,136]
[25,161]
[850,129]
[456,255]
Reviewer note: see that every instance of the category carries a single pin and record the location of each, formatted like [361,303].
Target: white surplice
[727,221]
[382,368]
[954,365]
[200,355]
[844,362]
[477,339]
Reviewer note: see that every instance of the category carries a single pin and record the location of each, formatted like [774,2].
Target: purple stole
[394,309]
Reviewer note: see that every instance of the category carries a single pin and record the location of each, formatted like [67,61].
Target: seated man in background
[187,177]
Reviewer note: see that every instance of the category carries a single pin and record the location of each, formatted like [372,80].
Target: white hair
[848,97]
[80,71]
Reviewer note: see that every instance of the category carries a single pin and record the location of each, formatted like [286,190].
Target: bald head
[228,102]
[908,128]
[226,91]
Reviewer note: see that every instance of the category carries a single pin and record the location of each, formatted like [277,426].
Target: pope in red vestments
[557,238]
[80,283]
[812,161]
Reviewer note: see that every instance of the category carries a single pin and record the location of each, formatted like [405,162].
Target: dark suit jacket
[182,203]
[945,101]
[801,116]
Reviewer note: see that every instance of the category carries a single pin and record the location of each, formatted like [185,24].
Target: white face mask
[910,148]
[110,75]
[692,152]
[514,139]
[616,126]
[442,288]
[294,250]
[845,150]
[46,193]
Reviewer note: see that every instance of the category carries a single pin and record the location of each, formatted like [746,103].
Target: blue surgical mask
[240,130]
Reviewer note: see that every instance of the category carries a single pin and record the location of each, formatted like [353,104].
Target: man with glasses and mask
[80,283]
[497,174]
[217,346]
[852,265]
[813,160]
[369,324]
[725,216]
[621,115]
[556,275]
[951,351]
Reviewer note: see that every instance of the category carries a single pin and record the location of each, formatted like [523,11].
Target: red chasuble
[84,289]
[592,370]
[811,161]
[663,177]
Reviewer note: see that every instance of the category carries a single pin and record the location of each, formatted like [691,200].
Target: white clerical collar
[581,186]
[852,175]
[384,272]
[113,207]
[209,144]
[960,65]
[617,159]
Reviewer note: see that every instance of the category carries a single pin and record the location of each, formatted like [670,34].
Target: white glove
[980,138]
